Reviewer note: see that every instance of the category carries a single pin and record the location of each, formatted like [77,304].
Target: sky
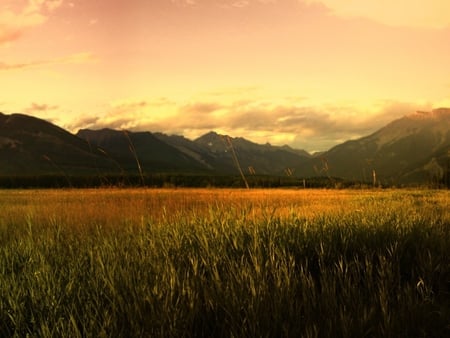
[307,73]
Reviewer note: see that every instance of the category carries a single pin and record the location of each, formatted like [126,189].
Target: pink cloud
[15,21]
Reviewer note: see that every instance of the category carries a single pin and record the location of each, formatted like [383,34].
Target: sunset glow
[308,73]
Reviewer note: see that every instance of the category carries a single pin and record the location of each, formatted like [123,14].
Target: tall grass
[222,263]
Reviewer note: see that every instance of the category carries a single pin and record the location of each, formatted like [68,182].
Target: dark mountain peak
[14,118]
[436,121]
[213,141]
[212,135]
[107,135]
[119,138]
[99,136]
[34,146]
[104,131]
[27,123]
[222,143]
[400,151]
[130,148]
[26,128]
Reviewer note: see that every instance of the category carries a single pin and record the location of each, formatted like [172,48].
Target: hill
[252,157]
[31,146]
[414,148]
[131,150]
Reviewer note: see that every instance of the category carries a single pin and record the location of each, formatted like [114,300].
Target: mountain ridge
[412,149]
[29,145]
[395,150]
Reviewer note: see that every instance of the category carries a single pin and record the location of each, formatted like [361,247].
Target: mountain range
[414,149]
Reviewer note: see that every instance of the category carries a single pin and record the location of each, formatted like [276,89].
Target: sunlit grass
[224,263]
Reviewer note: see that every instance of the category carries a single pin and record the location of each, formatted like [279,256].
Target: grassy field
[224,263]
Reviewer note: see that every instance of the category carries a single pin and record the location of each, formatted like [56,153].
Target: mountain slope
[413,149]
[31,146]
[133,149]
[397,153]
[190,148]
[252,157]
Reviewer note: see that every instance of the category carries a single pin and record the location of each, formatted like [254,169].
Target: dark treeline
[174,180]
[169,180]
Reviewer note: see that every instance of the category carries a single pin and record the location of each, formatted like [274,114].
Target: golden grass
[112,207]
[224,263]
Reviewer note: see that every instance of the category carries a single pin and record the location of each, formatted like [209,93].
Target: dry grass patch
[224,263]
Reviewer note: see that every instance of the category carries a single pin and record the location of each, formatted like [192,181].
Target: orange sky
[303,72]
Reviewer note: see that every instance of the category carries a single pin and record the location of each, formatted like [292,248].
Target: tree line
[177,180]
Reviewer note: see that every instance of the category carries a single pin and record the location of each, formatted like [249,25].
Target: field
[224,263]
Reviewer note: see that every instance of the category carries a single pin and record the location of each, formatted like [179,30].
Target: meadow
[224,263]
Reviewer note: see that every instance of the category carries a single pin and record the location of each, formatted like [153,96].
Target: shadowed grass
[368,265]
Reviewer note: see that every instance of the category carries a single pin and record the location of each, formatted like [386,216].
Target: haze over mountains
[414,149]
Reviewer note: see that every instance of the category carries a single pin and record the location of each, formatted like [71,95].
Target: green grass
[376,266]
